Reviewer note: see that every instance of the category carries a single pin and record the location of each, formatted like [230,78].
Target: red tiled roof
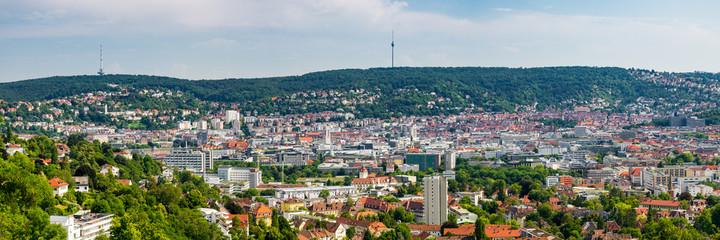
[125,182]
[662,203]
[56,183]
[501,231]
[463,230]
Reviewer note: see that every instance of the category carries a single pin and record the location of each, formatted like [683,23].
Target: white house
[59,186]
[82,184]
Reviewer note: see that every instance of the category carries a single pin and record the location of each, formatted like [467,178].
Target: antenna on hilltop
[101,72]
[392,45]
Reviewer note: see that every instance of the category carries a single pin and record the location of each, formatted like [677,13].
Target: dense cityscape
[158,164]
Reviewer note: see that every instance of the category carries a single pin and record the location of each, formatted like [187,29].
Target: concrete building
[435,200]
[655,181]
[237,174]
[313,192]
[450,158]
[600,174]
[676,171]
[558,179]
[190,160]
[293,158]
[705,190]
[231,115]
[580,131]
[84,225]
[463,215]
[423,160]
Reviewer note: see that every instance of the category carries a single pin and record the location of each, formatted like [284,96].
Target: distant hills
[492,88]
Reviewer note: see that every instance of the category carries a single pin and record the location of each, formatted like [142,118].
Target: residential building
[263,213]
[237,174]
[406,178]
[434,230]
[59,186]
[463,215]
[676,171]
[221,219]
[435,200]
[84,225]
[694,189]
[660,204]
[327,208]
[558,179]
[655,181]
[450,158]
[373,182]
[601,173]
[189,160]
[82,184]
[496,232]
[313,192]
[292,205]
[110,169]
[293,158]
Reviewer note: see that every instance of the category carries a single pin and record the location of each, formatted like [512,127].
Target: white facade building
[450,158]
[236,174]
[189,160]
[313,192]
[435,200]
[84,225]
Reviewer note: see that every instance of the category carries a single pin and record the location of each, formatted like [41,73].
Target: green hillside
[492,88]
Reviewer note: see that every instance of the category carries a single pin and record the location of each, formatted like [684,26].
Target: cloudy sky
[214,39]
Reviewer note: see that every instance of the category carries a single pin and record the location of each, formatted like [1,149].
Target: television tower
[392,45]
[101,72]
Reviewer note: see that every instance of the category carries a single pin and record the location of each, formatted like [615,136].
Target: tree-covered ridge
[166,209]
[489,88]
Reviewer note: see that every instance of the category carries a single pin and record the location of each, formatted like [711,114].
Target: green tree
[324,193]
[480,229]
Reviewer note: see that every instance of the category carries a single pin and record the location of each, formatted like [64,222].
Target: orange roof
[125,182]
[262,209]
[242,217]
[56,183]
[306,139]
[463,230]
[662,203]
[414,150]
[641,211]
[500,231]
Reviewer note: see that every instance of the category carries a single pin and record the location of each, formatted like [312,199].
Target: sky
[217,39]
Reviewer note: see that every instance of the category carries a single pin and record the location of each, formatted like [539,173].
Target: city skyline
[244,39]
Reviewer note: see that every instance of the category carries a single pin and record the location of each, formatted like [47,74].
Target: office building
[423,160]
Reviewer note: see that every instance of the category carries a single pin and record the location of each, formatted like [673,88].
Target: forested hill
[494,88]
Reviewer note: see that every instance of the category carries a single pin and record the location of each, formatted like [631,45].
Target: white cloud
[218,43]
[294,37]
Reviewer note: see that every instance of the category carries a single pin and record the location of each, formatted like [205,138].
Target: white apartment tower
[231,115]
[435,200]
[450,158]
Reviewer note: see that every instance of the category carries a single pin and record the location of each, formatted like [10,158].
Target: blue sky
[214,39]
